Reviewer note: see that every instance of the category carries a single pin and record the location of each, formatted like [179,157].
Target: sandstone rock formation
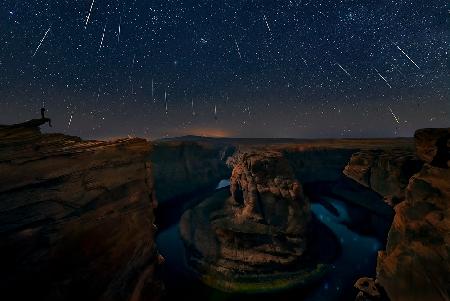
[75,218]
[185,168]
[433,146]
[262,185]
[318,164]
[387,172]
[368,289]
[416,263]
[254,240]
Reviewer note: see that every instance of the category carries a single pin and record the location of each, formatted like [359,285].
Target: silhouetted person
[46,119]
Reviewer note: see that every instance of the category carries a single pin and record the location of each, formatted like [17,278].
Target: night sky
[245,68]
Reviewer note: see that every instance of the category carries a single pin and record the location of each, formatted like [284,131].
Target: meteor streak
[237,47]
[89,14]
[42,40]
[407,56]
[70,121]
[346,72]
[387,83]
[393,114]
[267,23]
[103,36]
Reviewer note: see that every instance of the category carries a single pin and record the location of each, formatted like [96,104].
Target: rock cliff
[433,146]
[387,172]
[184,168]
[75,218]
[416,263]
[318,164]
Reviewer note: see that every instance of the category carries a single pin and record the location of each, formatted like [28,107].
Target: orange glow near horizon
[205,132]
[202,132]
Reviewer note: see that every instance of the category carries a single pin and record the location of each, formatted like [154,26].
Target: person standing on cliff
[45,119]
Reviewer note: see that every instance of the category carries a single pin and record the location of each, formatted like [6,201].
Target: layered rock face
[387,172]
[318,164]
[264,190]
[75,218]
[433,146]
[185,168]
[252,240]
[416,263]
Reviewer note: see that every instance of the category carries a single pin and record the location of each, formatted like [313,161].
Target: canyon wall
[318,164]
[76,218]
[416,263]
[387,172]
[184,168]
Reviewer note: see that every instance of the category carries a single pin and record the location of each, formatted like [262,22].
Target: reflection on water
[223,184]
[358,256]
[357,259]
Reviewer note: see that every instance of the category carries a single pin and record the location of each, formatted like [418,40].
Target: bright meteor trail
[393,114]
[346,72]
[387,83]
[40,43]
[407,56]
[89,14]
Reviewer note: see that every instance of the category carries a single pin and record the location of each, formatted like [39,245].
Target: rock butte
[255,240]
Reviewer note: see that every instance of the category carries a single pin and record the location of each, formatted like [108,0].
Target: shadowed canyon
[223,219]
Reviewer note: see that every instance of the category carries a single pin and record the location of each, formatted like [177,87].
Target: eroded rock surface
[254,240]
[387,172]
[75,218]
[416,263]
[262,184]
[433,146]
[184,168]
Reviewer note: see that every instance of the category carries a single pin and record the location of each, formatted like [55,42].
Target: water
[223,184]
[357,259]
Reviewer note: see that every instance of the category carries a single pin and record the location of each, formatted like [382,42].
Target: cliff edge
[76,217]
[416,263]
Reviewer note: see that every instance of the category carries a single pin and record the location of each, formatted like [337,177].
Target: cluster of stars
[243,68]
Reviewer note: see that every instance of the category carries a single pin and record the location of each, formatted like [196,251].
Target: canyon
[415,264]
[77,218]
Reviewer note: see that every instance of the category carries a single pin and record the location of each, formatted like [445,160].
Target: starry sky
[243,68]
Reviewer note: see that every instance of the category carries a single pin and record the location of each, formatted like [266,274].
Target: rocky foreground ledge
[257,239]
[76,217]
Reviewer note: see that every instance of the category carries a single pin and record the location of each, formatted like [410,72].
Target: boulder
[368,289]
